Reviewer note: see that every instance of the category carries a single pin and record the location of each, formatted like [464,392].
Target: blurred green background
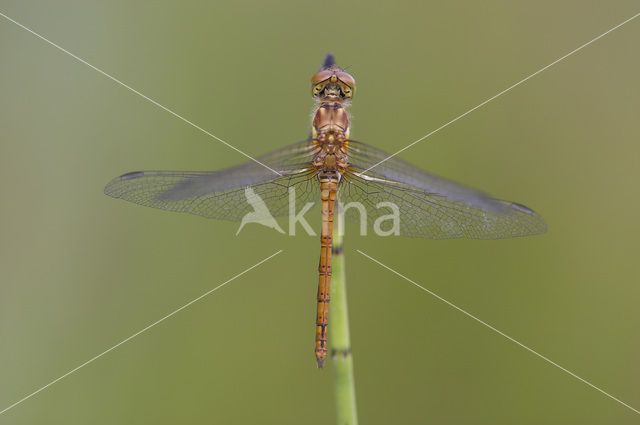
[80,271]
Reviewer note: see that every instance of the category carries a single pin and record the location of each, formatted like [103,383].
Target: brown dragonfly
[329,165]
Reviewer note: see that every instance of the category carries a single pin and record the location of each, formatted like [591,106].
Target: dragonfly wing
[228,194]
[429,206]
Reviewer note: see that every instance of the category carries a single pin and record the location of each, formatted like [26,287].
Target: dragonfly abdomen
[328,192]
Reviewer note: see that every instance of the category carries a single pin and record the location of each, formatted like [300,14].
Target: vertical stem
[345,392]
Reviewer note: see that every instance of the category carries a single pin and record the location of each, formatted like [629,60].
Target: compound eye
[321,76]
[346,78]
[347,91]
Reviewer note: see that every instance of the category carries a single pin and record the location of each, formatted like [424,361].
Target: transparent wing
[429,206]
[228,194]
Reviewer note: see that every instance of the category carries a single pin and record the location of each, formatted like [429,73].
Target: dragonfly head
[333,83]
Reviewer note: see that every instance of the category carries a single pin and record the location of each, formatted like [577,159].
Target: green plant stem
[345,392]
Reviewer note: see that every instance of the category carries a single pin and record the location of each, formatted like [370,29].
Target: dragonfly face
[330,166]
[333,84]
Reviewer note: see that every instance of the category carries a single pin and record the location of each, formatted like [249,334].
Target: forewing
[429,206]
[228,194]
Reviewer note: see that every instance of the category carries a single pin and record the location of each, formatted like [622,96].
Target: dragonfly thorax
[330,131]
[330,123]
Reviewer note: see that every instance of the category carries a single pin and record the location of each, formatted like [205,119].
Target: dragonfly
[331,167]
